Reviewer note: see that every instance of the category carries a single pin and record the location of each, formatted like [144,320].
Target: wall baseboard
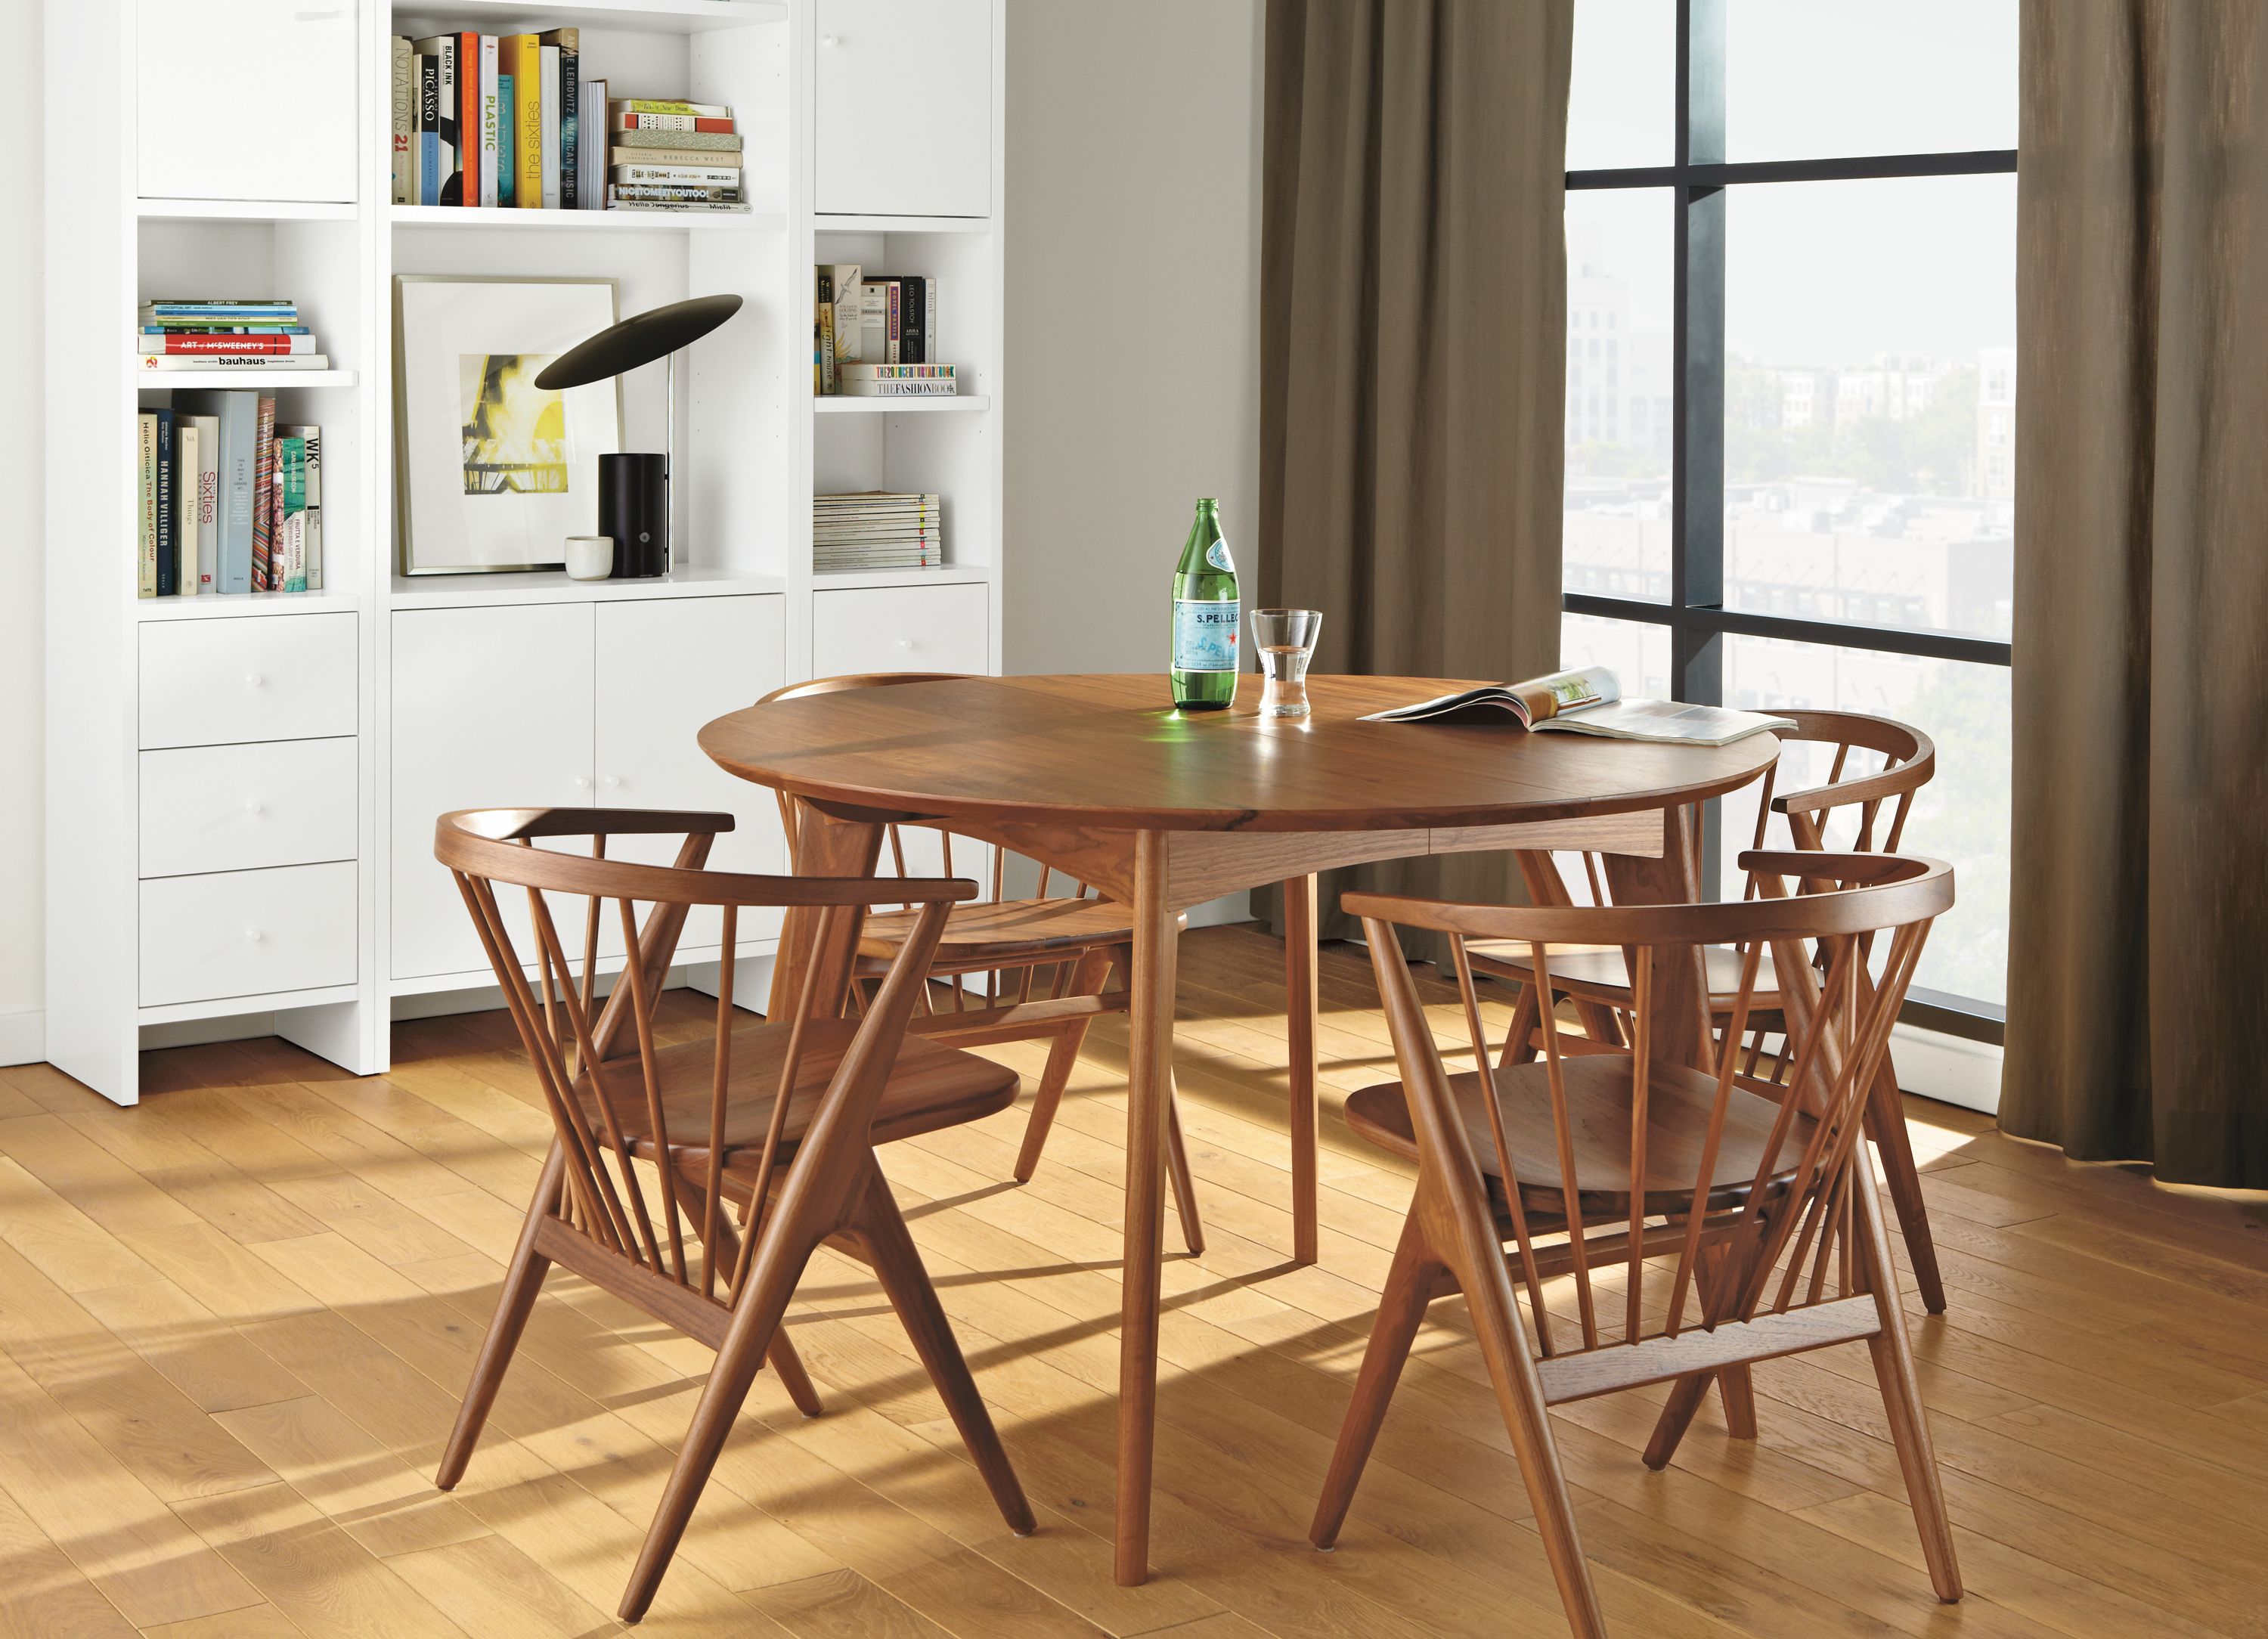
[1948,1069]
[23,1038]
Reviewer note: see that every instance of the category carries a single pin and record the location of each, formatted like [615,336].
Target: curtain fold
[2138,1004]
[1413,328]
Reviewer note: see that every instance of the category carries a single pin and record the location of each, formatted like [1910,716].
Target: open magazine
[1588,701]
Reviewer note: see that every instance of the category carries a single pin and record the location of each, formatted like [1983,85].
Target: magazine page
[1491,702]
[1668,721]
[1559,693]
[1529,703]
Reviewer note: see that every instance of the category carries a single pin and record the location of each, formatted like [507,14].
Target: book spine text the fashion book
[208,501]
[169,561]
[720,142]
[177,341]
[492,134]
[402,95]
[145,554]
[670,122]
[568,166]
[263,456]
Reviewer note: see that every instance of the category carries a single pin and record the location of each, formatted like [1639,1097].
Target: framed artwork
[492,472]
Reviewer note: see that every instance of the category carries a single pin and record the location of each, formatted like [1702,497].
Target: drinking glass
[1285,639]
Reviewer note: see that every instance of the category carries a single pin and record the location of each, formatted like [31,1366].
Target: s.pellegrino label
[1207,618]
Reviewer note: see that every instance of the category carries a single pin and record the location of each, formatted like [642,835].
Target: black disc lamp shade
[640,340]
[634,490]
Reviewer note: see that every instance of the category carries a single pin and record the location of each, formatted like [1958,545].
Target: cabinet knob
[830,40]
[255,809]
[905,643]
[582,782]
[253,936]
[253,680]
[613,779]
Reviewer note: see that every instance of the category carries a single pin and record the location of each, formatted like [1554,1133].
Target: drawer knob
[253,936]
[253,680]
[905,643]
[613,779]
[582,782]
[255,809]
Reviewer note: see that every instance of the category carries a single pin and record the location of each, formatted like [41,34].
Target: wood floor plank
[235,1321]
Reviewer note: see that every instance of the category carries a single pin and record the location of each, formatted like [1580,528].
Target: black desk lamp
[637,505]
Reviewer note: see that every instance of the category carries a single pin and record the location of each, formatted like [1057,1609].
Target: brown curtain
[2138,992]
[1413,319]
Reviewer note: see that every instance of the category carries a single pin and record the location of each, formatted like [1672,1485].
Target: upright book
[308,549]
[404,100]
[187,455]
[440,181]
[236,421]
[207,497]
[169,559]
[569,166]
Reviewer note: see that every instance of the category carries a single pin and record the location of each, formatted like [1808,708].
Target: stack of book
[230,501]
[874,336]
[877,530]
[493,120]
[240,333]
[672,155]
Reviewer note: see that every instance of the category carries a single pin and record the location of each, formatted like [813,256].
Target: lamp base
[634,509]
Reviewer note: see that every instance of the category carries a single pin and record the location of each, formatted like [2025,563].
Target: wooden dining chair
[1068,945]
[1861,810]
[694,1180]
[1737,1228]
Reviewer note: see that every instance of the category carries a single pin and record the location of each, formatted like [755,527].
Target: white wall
[23,550]
[1133,298]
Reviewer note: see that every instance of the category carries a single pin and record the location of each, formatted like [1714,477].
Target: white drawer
[235,807]
[901,629]
[214,682]
[247,933]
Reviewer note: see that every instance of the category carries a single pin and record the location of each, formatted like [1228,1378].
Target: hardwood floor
[236,1321]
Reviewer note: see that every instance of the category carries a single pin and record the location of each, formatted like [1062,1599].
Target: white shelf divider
[243,210]
[460,218]
[265,380]
[221,605]
[653,17]
[463,591]
[901,224]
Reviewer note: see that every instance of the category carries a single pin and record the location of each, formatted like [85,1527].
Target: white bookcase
[241,789]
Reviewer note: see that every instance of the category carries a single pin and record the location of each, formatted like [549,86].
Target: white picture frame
[492,474]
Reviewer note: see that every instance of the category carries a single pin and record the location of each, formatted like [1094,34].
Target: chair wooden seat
[1010,931]
[1598,1092]
[1604,976]
[930,1088]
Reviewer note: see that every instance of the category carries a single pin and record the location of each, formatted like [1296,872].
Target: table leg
[1302,1001]
[824,846]
[1149,1096]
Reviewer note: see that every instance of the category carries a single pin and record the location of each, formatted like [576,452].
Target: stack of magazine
[1588,701]
[879,529]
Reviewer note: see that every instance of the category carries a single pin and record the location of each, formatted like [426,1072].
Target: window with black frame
[1790,394]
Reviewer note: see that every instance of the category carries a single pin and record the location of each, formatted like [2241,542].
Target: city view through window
[1868,366]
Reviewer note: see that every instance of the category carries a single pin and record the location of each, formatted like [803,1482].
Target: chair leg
[522,1280]
[1886,1125]
[783,1359]
[779,1265]
[1735,1386]
[1410,1285]
[1894,1370]
[1687,1393]
[1094,971]
[1177,1171]
[897,1265]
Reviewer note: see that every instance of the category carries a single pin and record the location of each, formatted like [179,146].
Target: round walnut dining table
[1098,776]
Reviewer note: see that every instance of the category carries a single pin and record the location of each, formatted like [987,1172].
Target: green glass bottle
[1207,618]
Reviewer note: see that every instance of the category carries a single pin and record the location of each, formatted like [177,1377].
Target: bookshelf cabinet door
[246,99]
[668,666]
[492,710]
[905,108]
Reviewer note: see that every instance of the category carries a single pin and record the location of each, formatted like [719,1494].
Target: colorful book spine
[569,42]
[666,104]
[233,361]
[313,438]
[145,554]
[442,183]
[670,122]
[404,76]
[169,554]
[263,496]
[726,176]
[191,342]
[471,98]
[187,455]
[291,566]
[665,193]
[547,136]
[493,133]
[521,56]
[207,501]
[707,142]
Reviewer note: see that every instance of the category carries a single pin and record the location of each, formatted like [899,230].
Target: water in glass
[1285,639]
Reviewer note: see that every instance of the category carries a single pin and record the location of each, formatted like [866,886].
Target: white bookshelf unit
[241,789]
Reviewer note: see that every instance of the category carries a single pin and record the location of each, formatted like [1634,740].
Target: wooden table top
[1109,750]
